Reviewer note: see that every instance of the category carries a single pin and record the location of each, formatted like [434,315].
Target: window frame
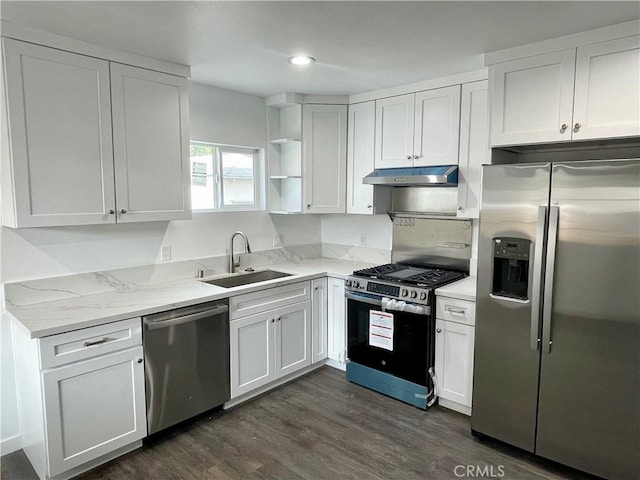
[259,178]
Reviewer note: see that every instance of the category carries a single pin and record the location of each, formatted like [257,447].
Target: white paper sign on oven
[381,329]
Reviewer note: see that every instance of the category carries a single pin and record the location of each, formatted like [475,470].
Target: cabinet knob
[576,127]
[438,330]
[459,208]
[273,320]
[408,157]
[112,211]
[139,360]
[563,128]
[415,157]
[369,207]
[308,205]
[123,211]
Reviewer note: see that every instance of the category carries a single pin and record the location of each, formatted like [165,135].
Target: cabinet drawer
[454,310]
[256,302]
[89,342]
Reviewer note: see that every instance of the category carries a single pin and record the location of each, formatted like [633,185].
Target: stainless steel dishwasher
[186,355]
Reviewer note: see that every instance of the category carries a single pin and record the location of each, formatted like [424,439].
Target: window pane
[202,179]
[238,178]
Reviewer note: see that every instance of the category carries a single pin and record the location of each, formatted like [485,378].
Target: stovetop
[415,275]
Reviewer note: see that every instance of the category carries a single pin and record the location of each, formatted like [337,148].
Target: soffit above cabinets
[359,46]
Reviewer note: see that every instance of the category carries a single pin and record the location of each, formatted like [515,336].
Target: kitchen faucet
[247,248]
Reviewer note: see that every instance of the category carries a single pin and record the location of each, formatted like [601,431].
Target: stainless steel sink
[246,278]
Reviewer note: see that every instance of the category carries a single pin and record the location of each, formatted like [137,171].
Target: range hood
[437,176]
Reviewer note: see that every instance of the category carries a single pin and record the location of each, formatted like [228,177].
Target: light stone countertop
[464,289]
[64,315]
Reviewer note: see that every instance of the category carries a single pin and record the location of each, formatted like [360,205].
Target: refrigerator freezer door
[589,404]
[505,384]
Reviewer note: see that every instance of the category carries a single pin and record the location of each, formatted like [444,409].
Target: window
[226,178]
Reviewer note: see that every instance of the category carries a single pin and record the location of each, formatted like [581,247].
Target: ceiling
[359,46]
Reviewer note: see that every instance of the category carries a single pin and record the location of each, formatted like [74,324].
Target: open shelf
[284,177]
[279,141]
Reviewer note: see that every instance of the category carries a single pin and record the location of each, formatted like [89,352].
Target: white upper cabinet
[64,159]
[324,149]
[437,126]
[60,169]
[582,93]
[360,148]
[607,90]
[394,131]
[474,146]
[151,144]
[418,129]
[532,99]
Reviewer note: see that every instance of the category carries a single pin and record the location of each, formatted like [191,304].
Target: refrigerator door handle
[548,279]
[538,263]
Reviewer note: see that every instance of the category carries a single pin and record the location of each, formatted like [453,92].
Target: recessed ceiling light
[301,60]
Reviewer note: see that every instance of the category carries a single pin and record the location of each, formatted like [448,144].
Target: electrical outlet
[166,253]
[363,239]
[278,240]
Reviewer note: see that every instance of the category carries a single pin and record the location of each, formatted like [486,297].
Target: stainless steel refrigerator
[557,352]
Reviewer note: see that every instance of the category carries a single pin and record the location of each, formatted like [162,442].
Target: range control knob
[404,292]
[423,295]
[347,283]
[414,294]
[355,284]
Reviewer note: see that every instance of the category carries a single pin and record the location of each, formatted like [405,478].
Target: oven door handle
[358,298]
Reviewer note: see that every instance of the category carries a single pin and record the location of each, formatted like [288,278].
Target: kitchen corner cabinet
[81,396]
[337,325]
[324,152]
[270,336]
[418,129]
[91,141]
[319,318]
[307,158]
[474,146]
[582,93]
[455,334]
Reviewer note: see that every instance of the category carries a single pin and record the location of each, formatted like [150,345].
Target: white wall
[216,115]
[347,230]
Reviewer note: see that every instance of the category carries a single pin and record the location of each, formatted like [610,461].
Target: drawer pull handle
[456,311]
[96,342]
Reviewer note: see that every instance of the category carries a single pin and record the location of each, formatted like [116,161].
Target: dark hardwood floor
[318,427]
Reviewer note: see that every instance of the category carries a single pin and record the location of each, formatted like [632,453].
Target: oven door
[409,354]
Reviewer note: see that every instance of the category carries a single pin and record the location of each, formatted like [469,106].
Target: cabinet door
[360,156]
[59,112]
[319,316]
[607,91]
[151,144]
[454,361]
[252,352]
[437,127]
[93,407]
[394,131]
[337,325]
[324,138]
[532,99]
[293,338]
[474,147]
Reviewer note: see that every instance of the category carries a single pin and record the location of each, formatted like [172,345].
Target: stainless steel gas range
[391,309]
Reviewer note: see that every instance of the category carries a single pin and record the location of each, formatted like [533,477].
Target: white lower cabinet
[319,317]
[337,325]
[270,344]
[455,334]
[81,396]
[93,408]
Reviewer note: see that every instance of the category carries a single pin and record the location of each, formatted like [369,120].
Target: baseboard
[10,444]
[335,364]
[455,406]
